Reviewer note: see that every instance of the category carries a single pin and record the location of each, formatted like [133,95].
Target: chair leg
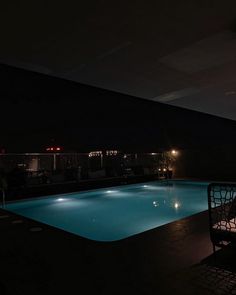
[214,248]
[214,256]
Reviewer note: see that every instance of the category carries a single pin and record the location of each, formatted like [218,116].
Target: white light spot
[60,199]
[155,203]
[177,205]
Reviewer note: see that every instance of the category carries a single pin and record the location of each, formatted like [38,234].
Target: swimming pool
[118,212]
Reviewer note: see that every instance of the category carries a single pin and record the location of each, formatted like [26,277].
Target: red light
[53,149]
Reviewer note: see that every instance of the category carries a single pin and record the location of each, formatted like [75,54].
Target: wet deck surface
[173,259]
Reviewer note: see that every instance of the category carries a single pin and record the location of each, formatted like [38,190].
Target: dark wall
[214,164]
[36,109]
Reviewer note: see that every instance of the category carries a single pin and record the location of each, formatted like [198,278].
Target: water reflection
[171,204]
[176,205]
[155,204]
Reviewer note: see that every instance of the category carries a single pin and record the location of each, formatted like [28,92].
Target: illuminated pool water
[115,213]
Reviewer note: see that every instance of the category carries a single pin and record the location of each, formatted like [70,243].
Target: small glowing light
[155,203]
[60,199]
[53,148]
[145,185]
[112,153]
[159,169]
[95,154]
[177,205]
[109,192]
[164,169]
[174,152]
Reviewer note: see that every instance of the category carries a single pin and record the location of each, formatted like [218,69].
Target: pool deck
[172,259]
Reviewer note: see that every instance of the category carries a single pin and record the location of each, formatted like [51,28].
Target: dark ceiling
[177,52]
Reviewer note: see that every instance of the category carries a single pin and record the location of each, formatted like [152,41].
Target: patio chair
[222,213]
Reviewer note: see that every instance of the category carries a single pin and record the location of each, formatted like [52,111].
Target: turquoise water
[118,212]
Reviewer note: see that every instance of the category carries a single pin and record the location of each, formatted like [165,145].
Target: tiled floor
[172,259]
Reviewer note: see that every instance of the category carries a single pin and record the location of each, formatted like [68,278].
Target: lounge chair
[222,213]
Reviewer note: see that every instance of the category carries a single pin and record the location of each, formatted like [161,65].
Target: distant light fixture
[174,152]
[164,169]
[21,165]
[159,169]
[95,154]
[111,153]
[145,185]
[53,149]
[60,199]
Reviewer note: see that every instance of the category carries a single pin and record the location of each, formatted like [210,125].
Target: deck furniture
[222,213]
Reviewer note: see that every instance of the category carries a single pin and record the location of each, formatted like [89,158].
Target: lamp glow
[174,152]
